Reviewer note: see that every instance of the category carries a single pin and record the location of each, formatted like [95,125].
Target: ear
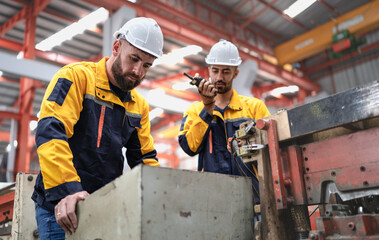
[236,73]
[116,48]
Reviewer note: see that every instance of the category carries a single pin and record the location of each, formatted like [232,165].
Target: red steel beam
[4,136]
[9,115]
[27,90]
[11,45]
[8,25]
[329,7]
[207,42]
[3,79]
[17,102]
[186,95]
[289,78]
[13,115]
[46,55]
[245,24]
[166,121]
[188,34]
[261,29]
[258,91]
[284,15]
[236,9]
[207,27]
[20,16]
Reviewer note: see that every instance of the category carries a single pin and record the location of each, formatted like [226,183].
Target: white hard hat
[223,53]
[143,33]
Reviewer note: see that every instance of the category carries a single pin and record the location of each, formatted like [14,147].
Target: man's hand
[65,211]
[207,92]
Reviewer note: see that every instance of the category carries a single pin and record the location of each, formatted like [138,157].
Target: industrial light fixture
[33,125]
[298,7]
[182,86]
[158,98]
[8,148]
[177,55]
[284,90]
[155,113]
[88,22]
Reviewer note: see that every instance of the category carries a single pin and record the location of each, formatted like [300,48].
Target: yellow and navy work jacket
[82,129]
[207,135]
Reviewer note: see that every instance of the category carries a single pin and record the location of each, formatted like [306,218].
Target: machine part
[370,204]
[346,196]
[162,203]
[246,131]
[144,34]
[301,223]
[315,157]
[363,226]
[339,210]
[323,166]
[248,150]
[276,161]
[223,53]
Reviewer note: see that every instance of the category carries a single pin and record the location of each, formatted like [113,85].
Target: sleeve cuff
[205,116]
[63,190]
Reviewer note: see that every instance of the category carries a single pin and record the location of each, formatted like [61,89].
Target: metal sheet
[163,203]
[339,109]
[24,224]
[28,68]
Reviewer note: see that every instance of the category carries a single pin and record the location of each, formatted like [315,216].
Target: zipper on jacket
[101,124]
[210,142]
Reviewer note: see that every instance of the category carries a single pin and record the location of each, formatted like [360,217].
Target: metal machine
[323,154]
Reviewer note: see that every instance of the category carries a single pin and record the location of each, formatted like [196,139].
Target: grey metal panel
[162,203]
[27,68]
[23,222]
[112,24]
[354,76]
[8,90]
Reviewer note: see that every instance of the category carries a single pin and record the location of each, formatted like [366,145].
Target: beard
[223,88]
[122,79]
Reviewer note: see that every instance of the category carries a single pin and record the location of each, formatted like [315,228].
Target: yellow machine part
[357,21]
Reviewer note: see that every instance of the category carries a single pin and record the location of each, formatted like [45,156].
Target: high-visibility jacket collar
[103,90]
[235,102]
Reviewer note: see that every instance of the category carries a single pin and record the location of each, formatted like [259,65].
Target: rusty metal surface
[350,161]
[162,203]
[293,175]
[275,160]
[364,226]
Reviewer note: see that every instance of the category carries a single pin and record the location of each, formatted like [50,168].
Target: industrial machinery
[323,154]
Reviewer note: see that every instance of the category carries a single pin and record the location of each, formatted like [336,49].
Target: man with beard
[207,125]
[90,111]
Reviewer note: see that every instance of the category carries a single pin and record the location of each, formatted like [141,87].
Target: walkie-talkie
[195,80]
